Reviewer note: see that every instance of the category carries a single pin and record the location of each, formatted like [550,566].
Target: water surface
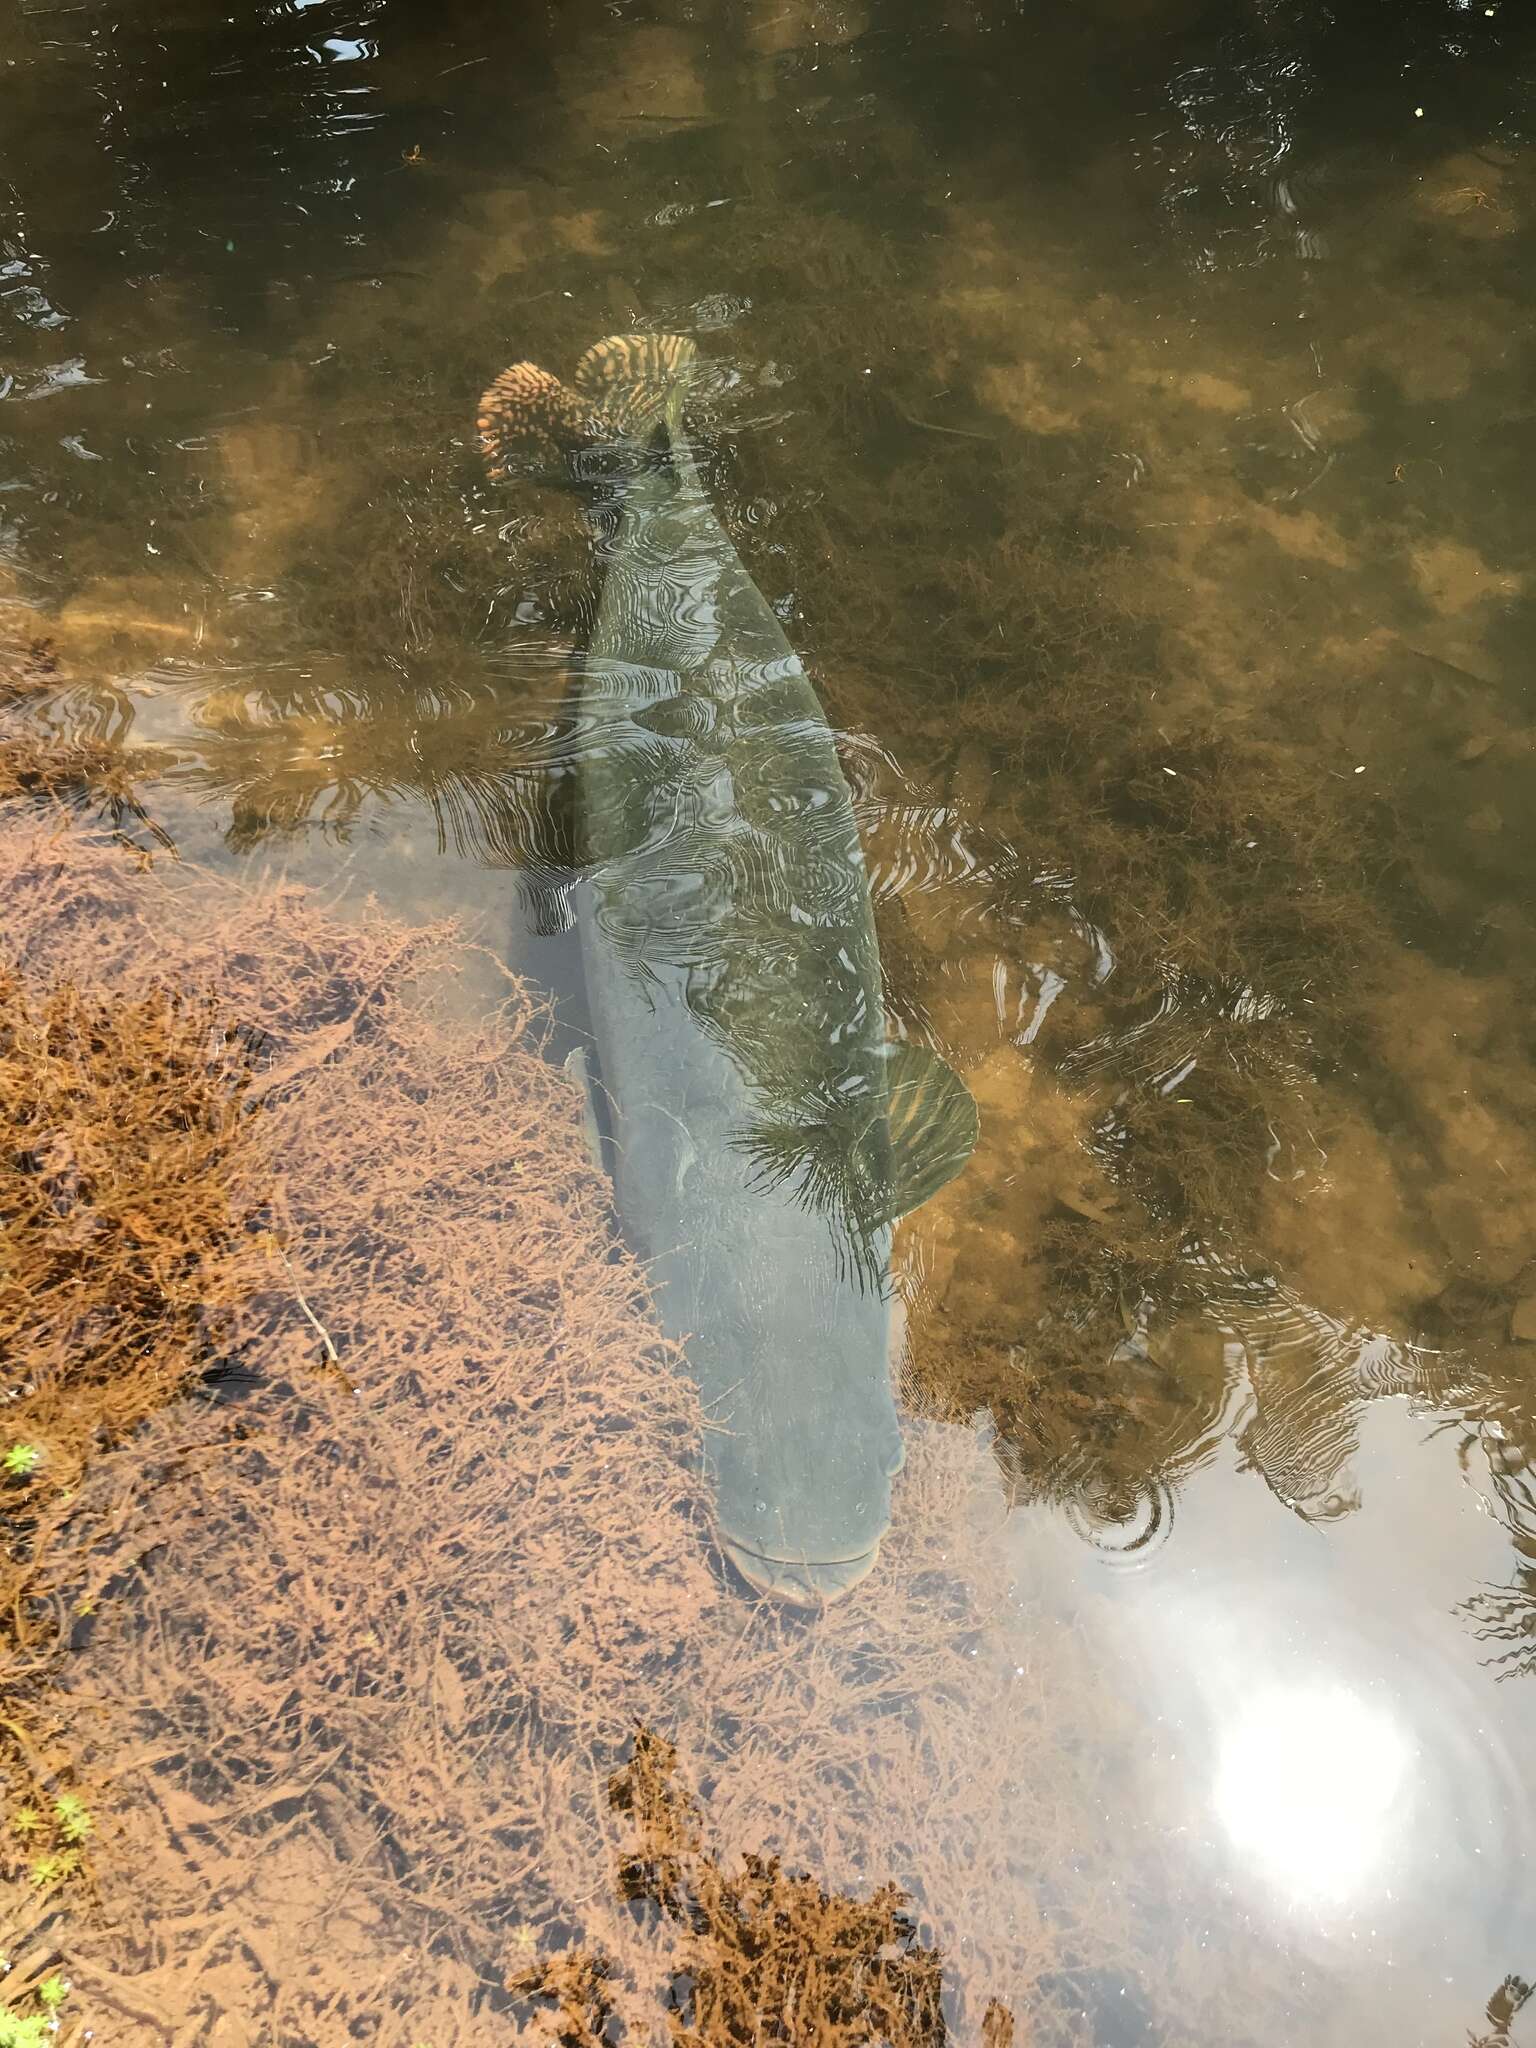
[1129,413]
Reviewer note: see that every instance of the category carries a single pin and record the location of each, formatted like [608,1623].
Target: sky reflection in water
[1317,1739]
[1314,1787]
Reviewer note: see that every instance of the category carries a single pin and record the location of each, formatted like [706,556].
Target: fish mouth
[798,1582]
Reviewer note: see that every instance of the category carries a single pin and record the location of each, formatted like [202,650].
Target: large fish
[763,1133]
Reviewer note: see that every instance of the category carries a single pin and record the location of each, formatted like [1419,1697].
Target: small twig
[319,1328]
[332,1355]
[46,1780]
[108,1988]
[933,427]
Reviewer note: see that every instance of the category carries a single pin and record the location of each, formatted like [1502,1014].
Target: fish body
[763,1133]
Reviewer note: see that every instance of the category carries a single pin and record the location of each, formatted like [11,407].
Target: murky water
[1128,414]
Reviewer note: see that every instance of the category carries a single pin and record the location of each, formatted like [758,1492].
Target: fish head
[800,1582]
[803,1467]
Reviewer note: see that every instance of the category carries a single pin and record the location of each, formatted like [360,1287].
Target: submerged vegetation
[128,1244]
[348,1618]
[35,2011]
[126,1267]
[764,1956]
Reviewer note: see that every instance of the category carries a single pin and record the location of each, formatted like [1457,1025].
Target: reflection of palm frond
[831,1155]
[509,819]
[1192,1021]
[826,1159]
[869,1148]
[1310,1373]
[500,781]
[1506,1614]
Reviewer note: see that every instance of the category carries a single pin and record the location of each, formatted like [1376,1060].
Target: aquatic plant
[73,769]
[33,1984]
[124,1220]
[72,1818]
[32,2031]
[53,1840]
[50,1844]
[764,1956]
[425,1591]
[64,745]
[123,1269]
[47,1871]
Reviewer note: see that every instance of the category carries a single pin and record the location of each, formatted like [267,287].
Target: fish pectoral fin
[579,1067]
[933,1125]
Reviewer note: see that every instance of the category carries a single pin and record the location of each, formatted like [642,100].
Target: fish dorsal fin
[634,381]
[933,1125]
[528,412]
[625,386]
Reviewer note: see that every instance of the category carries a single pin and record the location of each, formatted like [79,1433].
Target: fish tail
[633,381]
[527,412]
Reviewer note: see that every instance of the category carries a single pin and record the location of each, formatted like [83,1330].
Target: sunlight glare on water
[1314,1787]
